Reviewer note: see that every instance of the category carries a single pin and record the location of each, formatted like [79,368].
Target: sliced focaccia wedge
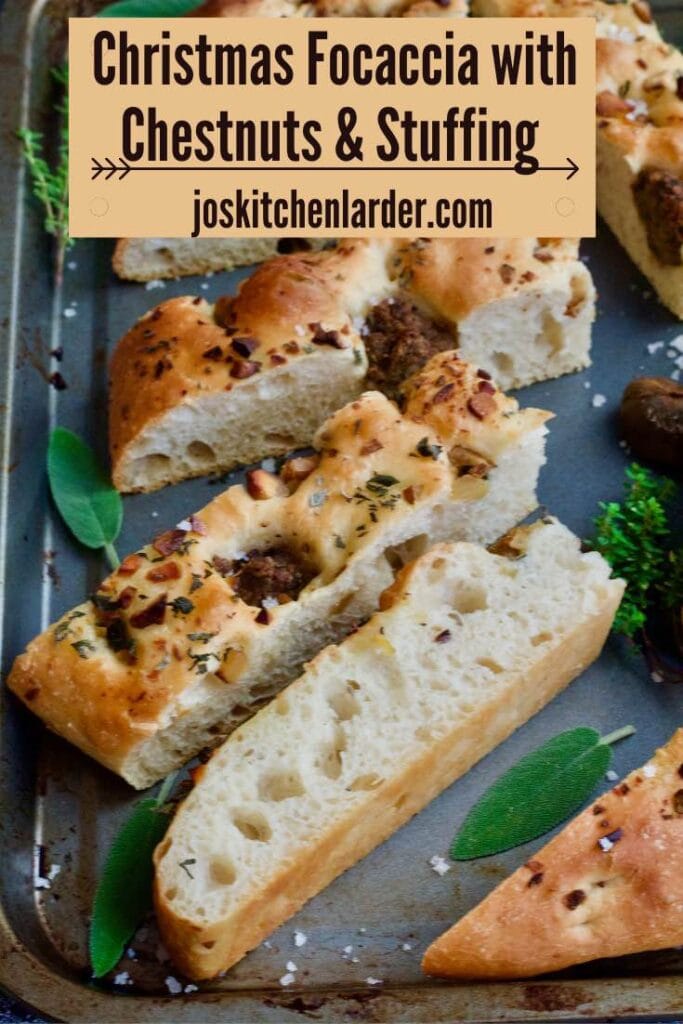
[198,388]
[609,884]
[639,131]
[640,157]
[468,645]
[192,632]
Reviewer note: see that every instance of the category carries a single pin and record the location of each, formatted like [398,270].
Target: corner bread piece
[468,645]
[152,259]
[190,634]
[639,132]
[640,157]
[198,388]
[611,883]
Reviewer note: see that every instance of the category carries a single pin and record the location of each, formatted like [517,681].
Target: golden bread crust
[589,899]
[306,306]
[109,691]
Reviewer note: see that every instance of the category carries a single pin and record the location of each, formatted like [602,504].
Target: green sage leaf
[538,793]
[147,8]
[124,893]
[89,505]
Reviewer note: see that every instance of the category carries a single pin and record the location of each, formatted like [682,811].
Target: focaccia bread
[640,157]
[191,633]
[197,388]
[468,646]
[639,131]
[145,259]
[611,883]
[153,259]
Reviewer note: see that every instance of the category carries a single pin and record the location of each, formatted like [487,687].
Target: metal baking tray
[59,808]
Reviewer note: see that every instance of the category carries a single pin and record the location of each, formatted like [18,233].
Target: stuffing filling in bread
[400,340]
[259,578]
[659,198]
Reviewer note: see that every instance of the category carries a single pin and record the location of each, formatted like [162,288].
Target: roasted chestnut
[651,420]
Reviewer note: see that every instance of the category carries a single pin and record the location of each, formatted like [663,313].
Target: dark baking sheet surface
[60,809]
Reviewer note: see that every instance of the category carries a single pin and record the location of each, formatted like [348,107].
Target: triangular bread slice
[609,884]
[467,646]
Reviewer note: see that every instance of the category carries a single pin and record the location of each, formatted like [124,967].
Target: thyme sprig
[51,184]
[635,537]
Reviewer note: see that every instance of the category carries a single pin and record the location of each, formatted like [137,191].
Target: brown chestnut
[651,420]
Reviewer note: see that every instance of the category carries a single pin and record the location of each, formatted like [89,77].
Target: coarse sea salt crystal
[287,979]
[300,330]
[53,872]
[598,401]
[438,864]
[348,950]
[156,283]
[620,32]
[406,947]
[656,677]
[269,465]
[611,776]
[123,978]
[291,966]
[69,313]
[639,108]
[677,343]
[300,938]
[649,770]
[605,844]
[270,602]
[373,981]
[190,988]
[655,347]
[173,985]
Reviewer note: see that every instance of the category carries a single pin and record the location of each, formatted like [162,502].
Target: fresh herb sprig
[124,893]
[89,505]
[634,536]
[51,184]
[538,793]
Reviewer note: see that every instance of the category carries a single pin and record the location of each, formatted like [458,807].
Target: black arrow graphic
[121,167]
[110,167]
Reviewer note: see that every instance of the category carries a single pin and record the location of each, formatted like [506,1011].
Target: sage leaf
[87,502]
[538,793]
[147,8]
[124,893]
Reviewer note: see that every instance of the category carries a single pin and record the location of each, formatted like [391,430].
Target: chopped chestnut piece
[297,469]
[262,485]
[608,104]
[651,420]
